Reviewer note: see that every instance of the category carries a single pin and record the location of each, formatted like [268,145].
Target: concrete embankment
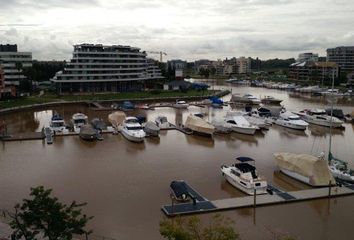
[59,103]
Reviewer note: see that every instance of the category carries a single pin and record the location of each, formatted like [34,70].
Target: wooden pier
[276,196]
[23,136]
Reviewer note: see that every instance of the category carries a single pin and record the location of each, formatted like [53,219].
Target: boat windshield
[294,118]
[79,121]
[135,128]
[58,124]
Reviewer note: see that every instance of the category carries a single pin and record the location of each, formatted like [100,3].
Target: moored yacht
[246,99]
[239,123]
[243,176]
[57,123]
[291,120]
[180,104]
[78,120]
[320,117]
[132,130]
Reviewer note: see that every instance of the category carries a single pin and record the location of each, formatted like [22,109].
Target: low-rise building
[350,82]
[314,72]
[13,63]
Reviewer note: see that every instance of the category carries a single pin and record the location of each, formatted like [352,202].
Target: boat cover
[199,125]
[87,130]
[116,118]
[245,159]
[152,126]
[316,169]
[179,188]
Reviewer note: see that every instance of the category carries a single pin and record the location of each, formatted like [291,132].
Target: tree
[219,228]
[44,217]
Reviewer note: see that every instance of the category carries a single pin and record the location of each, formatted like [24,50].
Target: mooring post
[254,198]
[329,188]
[172,205]
[86,236]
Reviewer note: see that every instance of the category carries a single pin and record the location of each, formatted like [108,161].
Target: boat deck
[277,197]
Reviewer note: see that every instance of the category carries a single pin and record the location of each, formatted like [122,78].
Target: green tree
[44,217]
[219,228]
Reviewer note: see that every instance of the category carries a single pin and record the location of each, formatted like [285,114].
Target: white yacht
[239,123]
[78,120]
[247,99]
[57,124]
[132,130]
[180,104]
[291,120]
[257,121]
[320,117]
[244,176]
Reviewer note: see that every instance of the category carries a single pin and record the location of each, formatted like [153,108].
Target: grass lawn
[110,96]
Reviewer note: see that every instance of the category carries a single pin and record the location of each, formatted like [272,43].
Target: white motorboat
[246,99]
[222,127]
[239,123]
[152,129]
[271,100]
[57,124]
[291,120]
[181,104]
[320,117]
[257,121]
[163,123]
[78,120]
[243,176]
[306,168]
[132,130]
[340,169]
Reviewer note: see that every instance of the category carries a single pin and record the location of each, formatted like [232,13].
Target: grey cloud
[45,4]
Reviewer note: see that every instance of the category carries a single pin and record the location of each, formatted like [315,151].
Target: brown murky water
[125,184]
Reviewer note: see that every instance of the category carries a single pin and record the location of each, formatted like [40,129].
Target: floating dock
[276,196]
[23,136]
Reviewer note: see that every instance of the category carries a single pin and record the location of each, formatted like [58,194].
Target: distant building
[313,71]
[13,63]
[202,63]
[307,57]
[178,67]
[101,68]
[243,65]
[350,82]
[343,56]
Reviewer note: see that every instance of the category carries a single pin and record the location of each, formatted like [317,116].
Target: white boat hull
[323,123]
[244,130]
[296,176]
[243,186]
[341,175]
[131,137]
[287,124]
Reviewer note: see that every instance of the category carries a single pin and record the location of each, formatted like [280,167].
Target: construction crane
[161,53]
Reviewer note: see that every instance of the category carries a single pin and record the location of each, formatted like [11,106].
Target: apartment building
[343,56]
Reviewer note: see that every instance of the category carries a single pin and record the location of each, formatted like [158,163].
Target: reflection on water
[125,183]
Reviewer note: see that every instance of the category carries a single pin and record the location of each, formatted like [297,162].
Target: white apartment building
[101,68]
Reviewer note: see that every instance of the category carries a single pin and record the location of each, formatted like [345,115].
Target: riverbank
[52,100]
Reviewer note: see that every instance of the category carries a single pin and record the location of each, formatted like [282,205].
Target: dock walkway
[277,197]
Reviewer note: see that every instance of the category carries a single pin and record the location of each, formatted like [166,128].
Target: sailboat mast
[330,125]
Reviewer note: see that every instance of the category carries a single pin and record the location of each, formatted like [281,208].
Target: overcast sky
[186,29]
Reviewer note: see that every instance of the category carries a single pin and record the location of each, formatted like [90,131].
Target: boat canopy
[57,118]
[199,125]
[116,118]
[179,188]
[315,168]
[245,159]
[152,126]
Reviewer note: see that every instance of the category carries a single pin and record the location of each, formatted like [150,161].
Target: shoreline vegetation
[147,95]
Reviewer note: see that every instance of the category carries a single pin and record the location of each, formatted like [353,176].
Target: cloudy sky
[186,29]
